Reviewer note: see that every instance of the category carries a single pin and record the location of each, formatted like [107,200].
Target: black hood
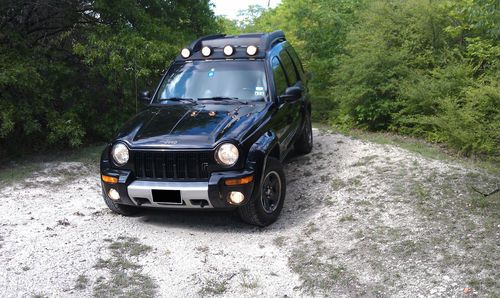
[180,125]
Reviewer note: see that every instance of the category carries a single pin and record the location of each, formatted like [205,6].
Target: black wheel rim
[271,192]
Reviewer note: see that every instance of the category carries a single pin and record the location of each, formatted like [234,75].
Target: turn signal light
[239,181]
[109,179]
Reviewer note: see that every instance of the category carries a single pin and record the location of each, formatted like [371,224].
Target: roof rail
[273,38]
[196,45]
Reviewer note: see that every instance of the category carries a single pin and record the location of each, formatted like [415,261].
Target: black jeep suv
[216,130]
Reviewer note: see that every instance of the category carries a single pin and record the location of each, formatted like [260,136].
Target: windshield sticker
[259,91]
[211,73]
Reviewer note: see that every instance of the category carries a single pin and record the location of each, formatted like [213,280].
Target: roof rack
[273,38]
[196,45]
[264,41]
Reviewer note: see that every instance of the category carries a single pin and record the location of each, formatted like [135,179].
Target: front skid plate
[190,192]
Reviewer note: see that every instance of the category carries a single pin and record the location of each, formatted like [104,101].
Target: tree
[65,64]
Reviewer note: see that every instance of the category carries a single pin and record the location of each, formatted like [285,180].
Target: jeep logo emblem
[170,142]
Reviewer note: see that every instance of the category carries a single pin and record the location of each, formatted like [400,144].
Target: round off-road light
[120,154]
[185,53]
[252,50]
[236,197]
[206,51]
[227,155]
[113,194]
[228,50]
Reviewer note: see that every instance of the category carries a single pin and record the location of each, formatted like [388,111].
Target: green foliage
[317,29]
[70,70]
[415,68]
[428,68]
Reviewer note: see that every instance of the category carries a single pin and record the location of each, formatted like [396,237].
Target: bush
[70,69]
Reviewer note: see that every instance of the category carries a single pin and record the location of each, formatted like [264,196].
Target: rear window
[280,80]
[291,73]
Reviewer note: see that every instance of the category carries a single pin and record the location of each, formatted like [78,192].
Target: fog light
[236,197]
[113,194]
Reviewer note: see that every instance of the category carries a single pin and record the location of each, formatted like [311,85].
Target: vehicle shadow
[293,212]
[194,219]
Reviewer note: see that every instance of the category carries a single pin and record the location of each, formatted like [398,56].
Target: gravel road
[360,219]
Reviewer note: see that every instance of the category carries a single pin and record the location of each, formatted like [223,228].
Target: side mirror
[291,94]
[145,96]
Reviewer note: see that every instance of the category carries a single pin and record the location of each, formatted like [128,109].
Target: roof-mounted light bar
[228,50]
[252,50]
[206,51]
[185,53]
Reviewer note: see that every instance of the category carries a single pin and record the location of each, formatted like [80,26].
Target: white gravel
[351,206]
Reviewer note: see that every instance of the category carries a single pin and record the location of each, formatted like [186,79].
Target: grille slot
[172,165]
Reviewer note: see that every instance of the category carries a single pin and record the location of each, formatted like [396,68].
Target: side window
[298,64]
[280,79]
[291,73]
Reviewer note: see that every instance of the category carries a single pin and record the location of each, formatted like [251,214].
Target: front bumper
[212,194]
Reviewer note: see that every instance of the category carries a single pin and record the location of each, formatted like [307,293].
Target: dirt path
[359,219]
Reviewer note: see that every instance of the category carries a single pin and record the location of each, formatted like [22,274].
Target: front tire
[124,210]
[265,206]
[304,144]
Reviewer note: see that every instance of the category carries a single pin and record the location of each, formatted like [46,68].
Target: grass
[280,241]
[310,229]
[81,282]
[214,286]
[329,201]
[347,217]
[354,182]
[18,172]
[247,281]
[426,149]
[338,184]
[130,246]
[364,161]
[123,276]
[20,169]
[319,271]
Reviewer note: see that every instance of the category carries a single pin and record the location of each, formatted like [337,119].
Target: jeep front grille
[172,165]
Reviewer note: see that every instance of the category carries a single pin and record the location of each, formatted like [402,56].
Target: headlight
[227,155]
[120,154]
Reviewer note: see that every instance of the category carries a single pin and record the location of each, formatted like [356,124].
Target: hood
[181,125]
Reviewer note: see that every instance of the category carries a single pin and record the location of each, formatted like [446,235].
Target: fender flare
[259,152]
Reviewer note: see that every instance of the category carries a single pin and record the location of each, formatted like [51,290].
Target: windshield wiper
[178,99]
[224,98]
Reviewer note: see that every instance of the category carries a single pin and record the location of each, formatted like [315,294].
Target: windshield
[204,80]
